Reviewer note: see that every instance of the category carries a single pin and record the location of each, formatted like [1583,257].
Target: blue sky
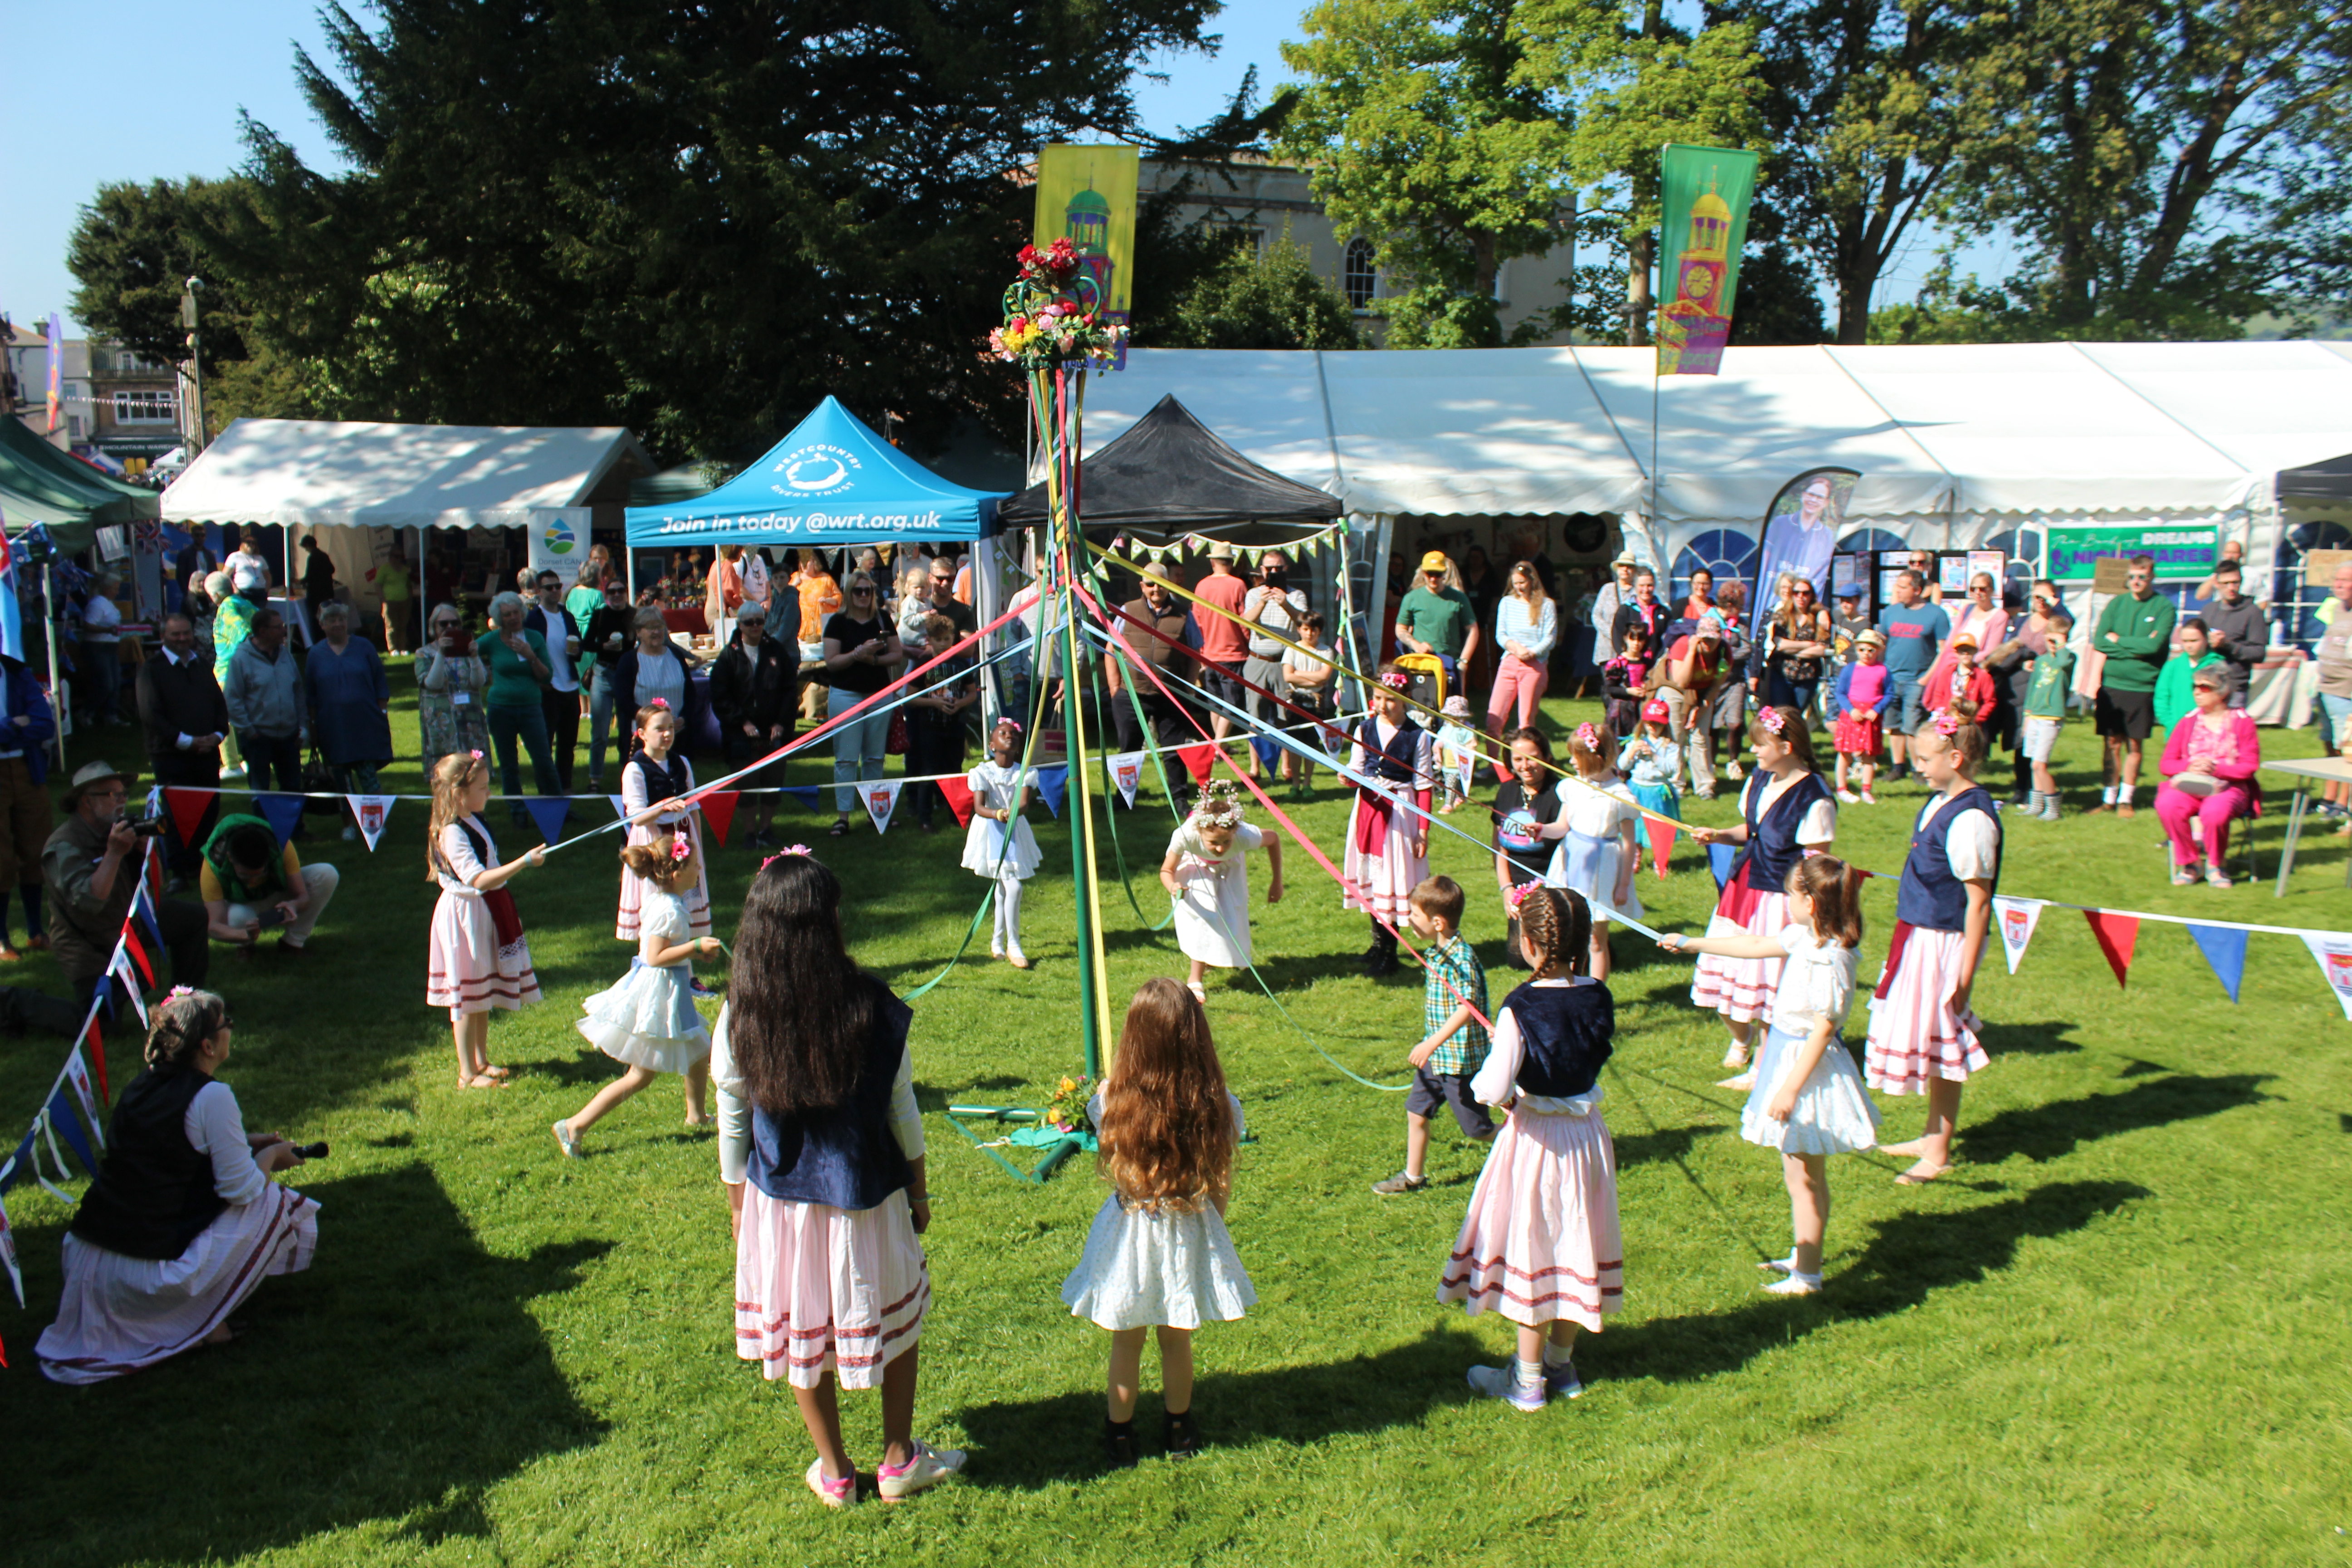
[137,89]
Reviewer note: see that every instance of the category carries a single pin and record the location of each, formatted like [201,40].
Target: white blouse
[1816,827]
[1971,840]
[1817,982]
[216,1129]
[735,1107]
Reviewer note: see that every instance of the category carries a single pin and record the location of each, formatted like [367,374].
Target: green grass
[2119,1333]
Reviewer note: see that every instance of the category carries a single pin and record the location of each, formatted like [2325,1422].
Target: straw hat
[90,775]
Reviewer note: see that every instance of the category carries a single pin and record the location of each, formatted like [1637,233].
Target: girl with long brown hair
[1158,1256]
[1808,1102]
[478,960]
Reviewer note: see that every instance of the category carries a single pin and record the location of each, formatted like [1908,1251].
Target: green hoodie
[2143,635]
[2174,699]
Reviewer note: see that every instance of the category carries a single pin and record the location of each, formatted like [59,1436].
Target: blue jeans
[528,725]
[272,761]
[1782,692]
[600,725]
[103,663]
[858,746]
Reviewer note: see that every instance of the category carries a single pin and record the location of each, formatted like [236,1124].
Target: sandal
[481,1081]
[1199,994]
[840,828]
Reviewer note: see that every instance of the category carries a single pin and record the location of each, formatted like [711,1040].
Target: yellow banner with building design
[1705,192]
[1086,195]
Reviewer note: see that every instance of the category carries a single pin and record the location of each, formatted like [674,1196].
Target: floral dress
[449,709]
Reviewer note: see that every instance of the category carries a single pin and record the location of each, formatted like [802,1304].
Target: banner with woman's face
[1801,533]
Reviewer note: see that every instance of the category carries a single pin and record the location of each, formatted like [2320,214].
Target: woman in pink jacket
[2208,778]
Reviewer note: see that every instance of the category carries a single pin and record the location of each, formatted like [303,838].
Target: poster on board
[1992,564]
[2179,552]
[559,541]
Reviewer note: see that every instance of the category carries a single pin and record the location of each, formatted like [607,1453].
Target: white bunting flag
[78,1075]
[2335,955]
[8,1254]
[620,805]
[2016,919]
[370,812]
[122,969]
[1127,772]
[881,800]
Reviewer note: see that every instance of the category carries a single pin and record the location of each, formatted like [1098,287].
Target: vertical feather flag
[2117,934]
[12,621]
[2224,948]
[1704,192]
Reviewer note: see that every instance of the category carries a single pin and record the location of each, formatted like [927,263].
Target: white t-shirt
[1594,814]
[1970,841]
[1817,982]
[1816,827]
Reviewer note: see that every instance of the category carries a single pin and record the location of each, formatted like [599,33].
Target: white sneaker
[1868,798]
[1796,1284]
[1503,1382]
[928,1468]
[233,772]
[1848,797]
[842,1493]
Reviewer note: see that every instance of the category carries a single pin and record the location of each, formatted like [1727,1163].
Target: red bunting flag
[188,807]
[1199,759]
[98,1060]
[1662,841]
[2117,934]
[959,796]
[137,951]
[718,810]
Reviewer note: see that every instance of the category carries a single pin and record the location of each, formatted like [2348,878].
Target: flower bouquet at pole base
[1064,1117]
[1053,313]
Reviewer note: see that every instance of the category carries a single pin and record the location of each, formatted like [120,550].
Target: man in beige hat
[1436,617]
[89,868]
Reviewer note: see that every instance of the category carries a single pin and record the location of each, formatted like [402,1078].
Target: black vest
[845,1156]
[154,1190]
[1929,895]
[1565,1032]
[663,781]
[1397,761]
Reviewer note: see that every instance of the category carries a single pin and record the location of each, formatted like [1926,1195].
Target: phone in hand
[272,916]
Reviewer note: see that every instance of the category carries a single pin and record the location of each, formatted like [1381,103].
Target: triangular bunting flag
[958,798]
[97,1043]
[1662,841]
[881,800]
[137,951]
[1720,859]
[62,1123]
[121,967]
[807,794]
[2117,934]
[20,1163]
[143,904]
[8,1256]
[370,812]
[188,807]
[2224,948]
[1126,773]
[718,810]
[78,1075]
[2335,955]
[2016,919]
[282,811]
[1198,758]
[1268,750]
[547,814]
[620,805]
[1053,785]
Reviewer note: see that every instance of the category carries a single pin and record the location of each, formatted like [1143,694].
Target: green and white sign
[2076,553]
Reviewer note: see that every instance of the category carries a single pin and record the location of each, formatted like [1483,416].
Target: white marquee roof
[317,474]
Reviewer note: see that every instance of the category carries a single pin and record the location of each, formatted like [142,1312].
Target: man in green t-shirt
[2135,633]
[1435,618]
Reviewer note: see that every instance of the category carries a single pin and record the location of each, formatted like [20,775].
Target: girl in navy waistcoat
[1923,1033]
[1540,1244]
[654,785]
[821,1151]
[1786,811]
[1387,838]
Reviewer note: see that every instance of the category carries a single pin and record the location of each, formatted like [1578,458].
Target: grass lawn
[2117,1333]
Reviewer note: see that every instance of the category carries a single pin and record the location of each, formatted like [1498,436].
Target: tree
[1261,301]
[693,220]
[133,251]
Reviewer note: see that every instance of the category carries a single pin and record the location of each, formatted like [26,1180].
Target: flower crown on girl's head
[787,849]
[1588,737]
[660,702]
[1947,725]
[1218,805]
[681,847]
[1771,719]
[1397,681]
[1514,897]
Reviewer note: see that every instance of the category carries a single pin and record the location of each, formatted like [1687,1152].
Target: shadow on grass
[1910,1257]
[2046,1039]
[1030,1443]
[2045,1132]
[402,1374]
[1664,1144]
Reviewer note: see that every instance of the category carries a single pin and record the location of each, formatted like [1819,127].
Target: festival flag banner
[97,1044]
[78,1075]
[188,807]
[1199,759]
[2016,919]
[1720,859]
[59,1115]
[1269,751]
[718,810]
[547,814]
[137,951]
[370,812]
[8,1256]
[958,798]
[881,800]
[2224,948]
[805,794]
[20,1163]
[1662,841]
[282,811]
[620,805]
[1703,194]
[121,968]
[2117,934]
[2334,954]
[1053,785]
[143,904]
[1126,773]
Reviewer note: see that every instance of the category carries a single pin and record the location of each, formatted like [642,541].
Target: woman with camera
[451,681]
[183,1220]
[249,884]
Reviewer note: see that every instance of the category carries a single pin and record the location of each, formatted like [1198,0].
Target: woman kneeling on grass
[821,1151]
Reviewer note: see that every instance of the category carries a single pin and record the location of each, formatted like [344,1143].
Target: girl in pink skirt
[1786,812]
[653,790]
[1540,1244]
[1388,840]
[479,960]
[1923,1033]
[821,1147]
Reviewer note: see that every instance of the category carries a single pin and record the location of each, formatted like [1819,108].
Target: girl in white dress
[1808,1102]
[1206,872]
[1597,852]
[654,787]
[478,960]
[1388,825]
[999,844]
[1158,1256]
[648,1021]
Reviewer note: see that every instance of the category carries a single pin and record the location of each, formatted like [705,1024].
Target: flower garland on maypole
[1054,329]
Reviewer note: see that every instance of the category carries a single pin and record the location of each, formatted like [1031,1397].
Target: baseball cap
[1434,562]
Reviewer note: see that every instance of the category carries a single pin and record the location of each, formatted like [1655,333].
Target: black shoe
[1119,1444]
[1384,962]
[1179,1435]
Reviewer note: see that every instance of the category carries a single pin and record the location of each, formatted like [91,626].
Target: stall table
[2325,769]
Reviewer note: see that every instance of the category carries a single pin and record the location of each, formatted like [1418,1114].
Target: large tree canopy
[695,220]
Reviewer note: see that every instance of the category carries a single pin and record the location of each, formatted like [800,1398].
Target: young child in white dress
[1206,872]
[999,844]
[1457,752]
[654,785]
[477,959]
[1158,1256]
[1808,1102]
[1597,852]
[647,1022]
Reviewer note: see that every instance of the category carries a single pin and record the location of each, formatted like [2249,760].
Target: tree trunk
[1638,298]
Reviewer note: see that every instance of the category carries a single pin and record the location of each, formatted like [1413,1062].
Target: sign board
[1992,563]
[2112,574]
[2178,551]
[1952,573]
[2319,567]
[559,541]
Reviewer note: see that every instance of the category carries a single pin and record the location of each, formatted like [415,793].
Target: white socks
[1530,1374]
[1008,914]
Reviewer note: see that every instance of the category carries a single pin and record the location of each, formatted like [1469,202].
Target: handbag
[897,745]
[320,779]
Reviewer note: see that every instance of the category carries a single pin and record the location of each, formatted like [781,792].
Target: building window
[1726,552]
[1359,276]
[146,409]
[1247,238]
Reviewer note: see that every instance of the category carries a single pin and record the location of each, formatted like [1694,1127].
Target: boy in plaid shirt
[1453,1043]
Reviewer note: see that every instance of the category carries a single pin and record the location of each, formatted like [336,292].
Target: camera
[312,1150]
[145,827]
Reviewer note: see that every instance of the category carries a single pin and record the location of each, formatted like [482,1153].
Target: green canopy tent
[40,484]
